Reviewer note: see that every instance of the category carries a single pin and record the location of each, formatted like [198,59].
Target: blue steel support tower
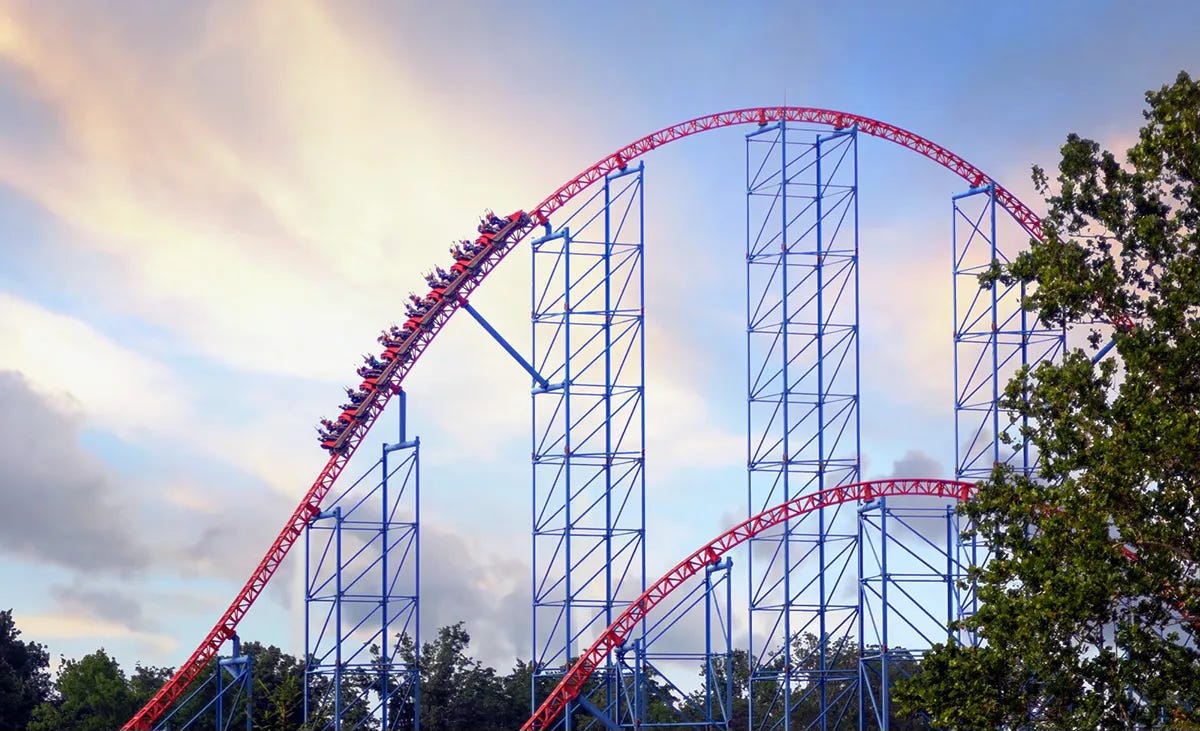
[588,431]
[993,338]
[222,702]
[362,612]
[907,568]
[803,419]
[659,664]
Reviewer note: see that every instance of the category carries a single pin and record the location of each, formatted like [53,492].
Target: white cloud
[118,389]
[58,626]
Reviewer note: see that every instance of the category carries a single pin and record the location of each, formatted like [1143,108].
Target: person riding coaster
[432,280]
[391,337]
[369,372]
[357,397]
[496,221]
[372,361]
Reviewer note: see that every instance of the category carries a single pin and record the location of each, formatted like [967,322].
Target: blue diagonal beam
[537,377]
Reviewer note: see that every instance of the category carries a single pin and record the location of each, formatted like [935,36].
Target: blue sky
[208,210]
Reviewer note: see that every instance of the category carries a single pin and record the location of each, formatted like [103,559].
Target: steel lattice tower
[224,701]
[803,416]
[362,607]
[993,338]
[588,429]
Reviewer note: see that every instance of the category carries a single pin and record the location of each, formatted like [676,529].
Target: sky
[208,210]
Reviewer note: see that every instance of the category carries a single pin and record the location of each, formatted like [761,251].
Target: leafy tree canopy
[1088,600]
[24,678]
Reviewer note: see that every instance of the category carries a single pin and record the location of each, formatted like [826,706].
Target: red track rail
[572,683]
[310,505]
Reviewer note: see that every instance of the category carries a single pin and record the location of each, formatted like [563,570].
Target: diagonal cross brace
[537,377]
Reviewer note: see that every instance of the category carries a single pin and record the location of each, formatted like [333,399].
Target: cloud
[60,504]
[916,463]
[256,185]
[118,389]
[104,604]
[65,626]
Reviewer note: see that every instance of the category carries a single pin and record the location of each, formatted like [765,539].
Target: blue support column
[993,338]
[362,602]
[907,555]
[588,429]
[718,696]
[657,667]
[803,418]
[221,701]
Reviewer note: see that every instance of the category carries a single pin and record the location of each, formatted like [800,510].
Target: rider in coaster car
[356,397]
[488,225]
[373,362]
[330,430]
[445,276]
[432,280]
[368,372]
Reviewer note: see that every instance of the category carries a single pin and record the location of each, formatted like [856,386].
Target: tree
[1090,596]
[278,687]
[457,691]
[24,679]
[92,695]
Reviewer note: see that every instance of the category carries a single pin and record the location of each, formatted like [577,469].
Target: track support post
[994,336]
[588,431]
[362,597]
[803,418]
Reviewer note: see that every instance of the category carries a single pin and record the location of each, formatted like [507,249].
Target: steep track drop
[310,505]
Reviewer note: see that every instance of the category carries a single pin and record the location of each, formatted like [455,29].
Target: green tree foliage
[91,694]
[24,679]
[94,693]
[1096,561]
[278,687]
[457,691]
[841,697]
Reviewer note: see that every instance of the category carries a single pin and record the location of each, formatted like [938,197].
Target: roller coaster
[820,537]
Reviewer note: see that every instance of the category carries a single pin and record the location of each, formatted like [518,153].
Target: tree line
[457,691]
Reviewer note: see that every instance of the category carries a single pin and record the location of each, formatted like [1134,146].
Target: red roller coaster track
[310,505]
[710,553]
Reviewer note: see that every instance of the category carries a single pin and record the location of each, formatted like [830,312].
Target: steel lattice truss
[588,425]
